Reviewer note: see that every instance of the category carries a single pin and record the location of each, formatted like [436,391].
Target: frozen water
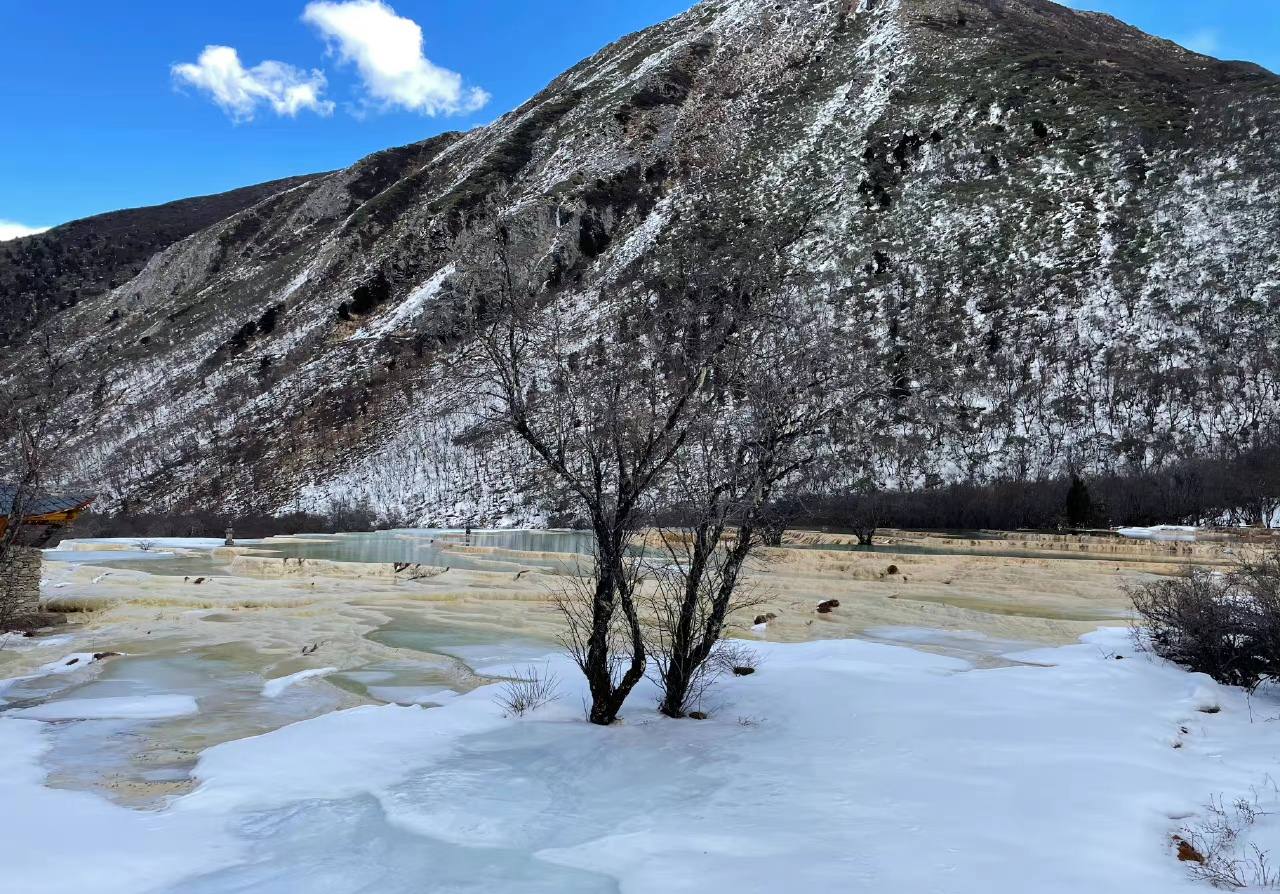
[551,550]
[474,647]
[967,644]
[412,695]
[1160,532]
[92,556]
[349,846]
[149,707]
[274,688]
[135,715]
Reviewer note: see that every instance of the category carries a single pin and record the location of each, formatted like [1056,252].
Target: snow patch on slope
[412,307]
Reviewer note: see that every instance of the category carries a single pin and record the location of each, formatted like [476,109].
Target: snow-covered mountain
[1062,236]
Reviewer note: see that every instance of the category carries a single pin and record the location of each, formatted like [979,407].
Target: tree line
[1231,488]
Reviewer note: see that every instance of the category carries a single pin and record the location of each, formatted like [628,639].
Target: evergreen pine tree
[1079,503]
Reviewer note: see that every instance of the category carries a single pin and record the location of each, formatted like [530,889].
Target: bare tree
[867,515]
[688,609]
[780,402]
[1258,480]
[604,397]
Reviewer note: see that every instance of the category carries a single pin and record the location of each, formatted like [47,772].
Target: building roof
[41,503]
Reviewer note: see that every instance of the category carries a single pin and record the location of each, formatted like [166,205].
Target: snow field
[843,765]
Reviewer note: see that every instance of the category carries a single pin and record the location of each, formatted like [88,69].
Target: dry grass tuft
[528,692]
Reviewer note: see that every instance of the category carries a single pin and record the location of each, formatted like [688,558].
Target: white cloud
[240,91]
[1204,41]
[387,51]
[11,229]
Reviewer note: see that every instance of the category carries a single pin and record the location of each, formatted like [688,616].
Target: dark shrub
[340,518]
[1223,625]
[366,298]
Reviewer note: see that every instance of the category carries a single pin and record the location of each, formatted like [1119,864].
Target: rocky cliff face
[1057,234]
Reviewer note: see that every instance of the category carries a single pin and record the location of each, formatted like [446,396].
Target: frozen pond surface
[442,548]
[135,724]
[478,649]
[481,551]
[84,557]
[979,648]
[350,846]
[126,724]
[840,765]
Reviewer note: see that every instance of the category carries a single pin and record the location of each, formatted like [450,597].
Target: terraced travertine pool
[478,551]
[561,551]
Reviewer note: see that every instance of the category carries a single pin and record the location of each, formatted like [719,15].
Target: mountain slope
[43,274]
[1055,232]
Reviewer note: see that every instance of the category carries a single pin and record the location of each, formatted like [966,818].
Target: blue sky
[121,105]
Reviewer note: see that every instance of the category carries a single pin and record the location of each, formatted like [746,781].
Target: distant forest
[212,524]
[1235,489]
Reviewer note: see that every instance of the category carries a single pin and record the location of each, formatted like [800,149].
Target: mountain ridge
[33,268]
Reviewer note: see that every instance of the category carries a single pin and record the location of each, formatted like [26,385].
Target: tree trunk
[612,592]
[691,649]
[675,686]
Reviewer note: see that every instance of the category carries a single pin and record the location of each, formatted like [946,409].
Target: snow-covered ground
[838,766]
